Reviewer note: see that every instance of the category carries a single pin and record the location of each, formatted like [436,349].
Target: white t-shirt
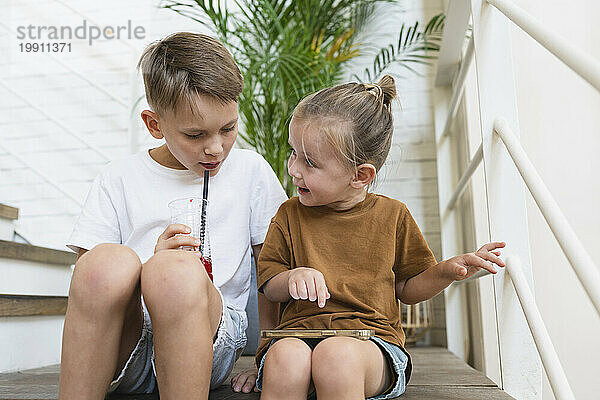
[128,204]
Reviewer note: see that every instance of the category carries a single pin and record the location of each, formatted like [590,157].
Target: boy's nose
[213,149]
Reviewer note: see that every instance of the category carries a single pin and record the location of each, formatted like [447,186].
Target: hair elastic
[369,87]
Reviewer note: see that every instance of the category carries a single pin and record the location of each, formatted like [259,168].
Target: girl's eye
[309,163]
[194,136]
[229,129]
[292,151]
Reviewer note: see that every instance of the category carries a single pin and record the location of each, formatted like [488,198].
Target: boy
[198,328]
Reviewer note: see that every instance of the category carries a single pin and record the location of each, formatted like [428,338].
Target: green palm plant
[285,49]
[414,46]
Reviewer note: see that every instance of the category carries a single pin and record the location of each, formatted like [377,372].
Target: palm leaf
[413,46]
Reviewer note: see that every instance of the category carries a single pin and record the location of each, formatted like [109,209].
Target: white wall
[560,131]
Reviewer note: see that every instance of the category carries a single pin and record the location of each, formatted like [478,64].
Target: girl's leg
[103,321]
[185,309]
[286,373]
[349,368]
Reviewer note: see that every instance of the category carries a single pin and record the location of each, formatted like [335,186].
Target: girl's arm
[277,289]
[435,279]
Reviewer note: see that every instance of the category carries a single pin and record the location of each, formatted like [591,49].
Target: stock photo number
[45,47]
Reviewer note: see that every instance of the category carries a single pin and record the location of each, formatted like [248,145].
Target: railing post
[457,19]
[520,363]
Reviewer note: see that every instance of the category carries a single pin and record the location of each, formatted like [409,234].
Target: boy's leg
[103,321]
[349,368]
[287,369]
[185,309]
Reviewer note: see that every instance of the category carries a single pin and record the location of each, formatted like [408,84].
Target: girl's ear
[363,176]
[150,119]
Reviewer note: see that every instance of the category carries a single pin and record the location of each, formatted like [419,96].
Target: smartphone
[362,334]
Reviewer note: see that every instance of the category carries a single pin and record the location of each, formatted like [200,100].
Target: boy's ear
[150,119]
[364,175]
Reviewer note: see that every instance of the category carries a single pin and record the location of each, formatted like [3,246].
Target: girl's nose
[292,170]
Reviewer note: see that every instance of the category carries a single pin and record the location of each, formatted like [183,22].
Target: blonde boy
[185,334]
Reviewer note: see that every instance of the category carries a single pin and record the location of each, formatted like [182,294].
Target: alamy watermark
[58,36]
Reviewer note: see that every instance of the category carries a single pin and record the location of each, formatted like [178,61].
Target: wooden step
[8,212]
[22,251]
[437,375]
[12,305]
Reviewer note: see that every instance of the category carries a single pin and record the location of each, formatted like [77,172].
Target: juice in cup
[188,211]
[208,266]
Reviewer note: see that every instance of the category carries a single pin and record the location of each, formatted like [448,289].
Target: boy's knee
[289,359]
[176,281]
[107,273]
[333,363]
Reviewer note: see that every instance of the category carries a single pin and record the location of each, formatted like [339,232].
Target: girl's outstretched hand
[463,266]
[308,284]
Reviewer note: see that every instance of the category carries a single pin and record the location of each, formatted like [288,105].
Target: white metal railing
[464,180]
[583,64]
[550,361]
[581,262]
[578,257]
[459,85]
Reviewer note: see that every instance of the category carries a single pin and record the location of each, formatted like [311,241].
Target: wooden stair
[19,305]
[34,285]
[437,375]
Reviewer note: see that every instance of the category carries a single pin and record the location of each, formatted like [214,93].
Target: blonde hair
[182,66]
[356,119]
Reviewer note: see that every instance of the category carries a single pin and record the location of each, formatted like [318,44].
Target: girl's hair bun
[388,87]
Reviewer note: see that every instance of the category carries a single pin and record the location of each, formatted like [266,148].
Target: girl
[340,257]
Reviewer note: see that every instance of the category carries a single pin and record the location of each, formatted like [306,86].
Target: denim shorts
[398,362]
[139,373]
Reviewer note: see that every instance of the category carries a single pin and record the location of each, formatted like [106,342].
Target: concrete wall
[560,131]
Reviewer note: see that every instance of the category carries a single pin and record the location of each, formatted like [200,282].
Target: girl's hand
[308,283]
[245,381]
[463,266]
[170,239]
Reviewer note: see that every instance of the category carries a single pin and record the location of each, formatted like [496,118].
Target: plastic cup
[188,211]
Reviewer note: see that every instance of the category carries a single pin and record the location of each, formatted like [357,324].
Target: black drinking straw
[204,198]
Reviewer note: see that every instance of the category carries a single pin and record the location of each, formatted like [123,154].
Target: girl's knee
[175,281]
[109,273]
[334,362]
[289,361]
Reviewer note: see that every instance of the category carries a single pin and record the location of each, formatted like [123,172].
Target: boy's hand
[463,266]
[171,238]
[245,381]
[308,283]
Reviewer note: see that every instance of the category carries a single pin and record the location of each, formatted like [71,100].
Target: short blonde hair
[356,118]
[182,66]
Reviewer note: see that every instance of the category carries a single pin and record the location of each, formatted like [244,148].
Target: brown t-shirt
[361,253]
